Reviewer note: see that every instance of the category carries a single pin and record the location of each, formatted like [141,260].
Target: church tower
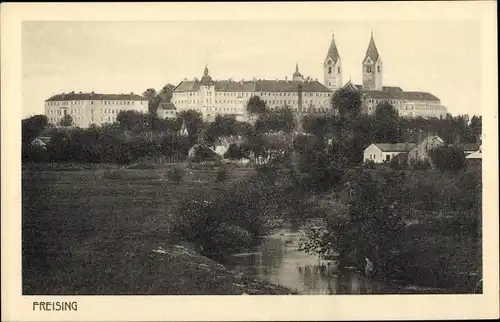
[297,76]
[332,67]
[372,67]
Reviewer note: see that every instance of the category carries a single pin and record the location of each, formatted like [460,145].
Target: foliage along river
[278,261]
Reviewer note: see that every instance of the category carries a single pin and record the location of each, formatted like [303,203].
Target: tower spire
[296,67]
[205,72]
[372,50]
[332,67]
[372,66]
[333,52]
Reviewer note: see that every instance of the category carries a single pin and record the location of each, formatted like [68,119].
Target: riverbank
[94,231]
[440,245]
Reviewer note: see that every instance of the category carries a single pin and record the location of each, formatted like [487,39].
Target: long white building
[229,97]
[92,108]
[222,97]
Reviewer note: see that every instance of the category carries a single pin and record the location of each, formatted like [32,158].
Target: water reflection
[278,261]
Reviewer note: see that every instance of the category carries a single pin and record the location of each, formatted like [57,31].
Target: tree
[233,152]
[347,103]
[475,129]
[285,119]
[33,127]
[166,93]
[319,125]
[256,106]
[386,123]
[222,126]
[131,120]
[448,158]
[149,94]
[374,226]
[67,120]
[194,121]
[282,119]
[153,100]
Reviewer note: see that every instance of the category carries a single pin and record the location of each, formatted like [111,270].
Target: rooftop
[255,86]
[72,96]
[167,106]
[333,52]
[399,95]
[372,51]
[394,147]
[393,93]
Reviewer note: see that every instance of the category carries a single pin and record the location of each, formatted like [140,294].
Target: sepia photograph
[245,157]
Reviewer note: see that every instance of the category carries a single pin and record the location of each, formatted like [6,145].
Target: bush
[234,152]
[448,158]
[229,222]
[175,174]
[267,172]
[371,226]
[421,165]
[399,162]
[369,164]
[222,174]
[203,153]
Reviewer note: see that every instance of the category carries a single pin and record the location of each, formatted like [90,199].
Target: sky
[440,57]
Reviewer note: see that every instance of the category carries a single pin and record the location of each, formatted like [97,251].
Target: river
[276,260]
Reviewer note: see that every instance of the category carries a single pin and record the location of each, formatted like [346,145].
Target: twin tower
[371,67]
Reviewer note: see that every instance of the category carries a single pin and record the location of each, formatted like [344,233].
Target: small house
[40,142]
[166,110]
[469,148]
[475,158]
[384,152]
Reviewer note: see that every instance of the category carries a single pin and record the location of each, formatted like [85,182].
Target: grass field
[94,231]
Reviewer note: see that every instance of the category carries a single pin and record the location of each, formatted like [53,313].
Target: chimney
[286,78]
[299,93]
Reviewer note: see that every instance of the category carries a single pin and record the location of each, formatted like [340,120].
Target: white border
[105,308]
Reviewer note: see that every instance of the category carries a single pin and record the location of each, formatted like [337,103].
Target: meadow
[93,231]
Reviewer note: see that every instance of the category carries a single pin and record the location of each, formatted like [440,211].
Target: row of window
[369,69]
[330,70]
[104,119]
[80,111]
[57,119]
[247,94]
[371,100]
[92,102]
[305,109]
[225,109]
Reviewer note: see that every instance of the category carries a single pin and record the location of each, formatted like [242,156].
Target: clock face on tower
[329,62]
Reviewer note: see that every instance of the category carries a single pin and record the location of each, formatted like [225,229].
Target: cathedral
[303,95]
[372,90]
